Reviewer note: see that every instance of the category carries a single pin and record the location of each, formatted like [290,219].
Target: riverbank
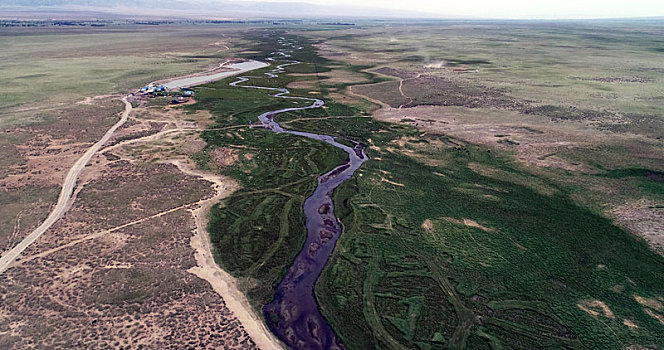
[222,282]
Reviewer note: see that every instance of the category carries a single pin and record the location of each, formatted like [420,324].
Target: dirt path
[404,95]
[207,269]
[97,235]
[419,75]
[65,194]
[382,104]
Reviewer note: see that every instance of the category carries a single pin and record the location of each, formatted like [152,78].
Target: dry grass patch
[630,324]
[535,141]
[596,308]
[618,288]
[655,315]
[644,218]
[649,302]
[303,84]
[224,156]
[427,225]
[473,223]
[469,223]
[344,76]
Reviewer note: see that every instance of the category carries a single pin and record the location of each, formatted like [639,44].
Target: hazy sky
[515,8]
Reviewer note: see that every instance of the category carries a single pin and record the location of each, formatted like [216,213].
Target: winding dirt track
[65,194]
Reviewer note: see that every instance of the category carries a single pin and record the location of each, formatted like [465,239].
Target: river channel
[293,315]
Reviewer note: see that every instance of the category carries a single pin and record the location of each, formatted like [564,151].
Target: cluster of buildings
[153,89]
[184,96]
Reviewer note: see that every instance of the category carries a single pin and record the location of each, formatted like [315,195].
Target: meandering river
[300,324]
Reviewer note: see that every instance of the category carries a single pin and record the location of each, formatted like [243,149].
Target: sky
[529,9]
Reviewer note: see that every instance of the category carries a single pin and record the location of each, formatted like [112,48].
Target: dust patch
[192,144]
[91,99]
[180,117]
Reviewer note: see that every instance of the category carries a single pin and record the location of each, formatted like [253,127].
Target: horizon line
[197,15]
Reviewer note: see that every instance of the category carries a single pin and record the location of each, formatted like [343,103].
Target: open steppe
[513,197]
[128,265]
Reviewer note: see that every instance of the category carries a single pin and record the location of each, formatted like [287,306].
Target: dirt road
[222,282]
[65,194]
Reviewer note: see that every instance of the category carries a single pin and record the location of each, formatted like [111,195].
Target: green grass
[646,180]
[259,230]
[391,283]
[633,172]
[542,250]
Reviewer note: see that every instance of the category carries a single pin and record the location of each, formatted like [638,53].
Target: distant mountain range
[209,8]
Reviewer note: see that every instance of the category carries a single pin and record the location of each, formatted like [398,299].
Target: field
[48,67]
[601,65]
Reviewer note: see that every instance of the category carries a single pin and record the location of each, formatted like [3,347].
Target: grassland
[493,261]
[450,241]
[46,67]
[47,71]
[569,100]
[596,65]
[446,244]
[258,230]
